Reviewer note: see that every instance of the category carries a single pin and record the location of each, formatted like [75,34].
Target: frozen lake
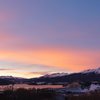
[25,86]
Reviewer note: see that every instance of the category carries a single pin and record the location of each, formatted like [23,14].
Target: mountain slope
[84,76]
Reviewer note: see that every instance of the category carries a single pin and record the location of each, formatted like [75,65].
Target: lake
[26,86]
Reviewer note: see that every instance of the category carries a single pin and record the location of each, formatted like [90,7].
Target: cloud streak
[5,69]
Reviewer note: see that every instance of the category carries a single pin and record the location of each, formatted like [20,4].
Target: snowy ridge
[97,71]
[54,75]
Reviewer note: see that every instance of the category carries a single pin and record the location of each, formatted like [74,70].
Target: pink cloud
[6,16]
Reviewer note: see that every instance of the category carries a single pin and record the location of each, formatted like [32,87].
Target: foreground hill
[6,80]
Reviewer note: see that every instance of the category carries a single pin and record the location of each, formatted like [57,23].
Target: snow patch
[94,87]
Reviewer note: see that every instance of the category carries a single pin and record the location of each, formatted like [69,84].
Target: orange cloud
[72,60]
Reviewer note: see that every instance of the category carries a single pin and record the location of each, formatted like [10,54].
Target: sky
[39,37]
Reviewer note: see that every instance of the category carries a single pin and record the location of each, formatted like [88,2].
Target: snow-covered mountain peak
[97,71]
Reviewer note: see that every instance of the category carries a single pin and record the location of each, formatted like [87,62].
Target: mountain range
[90,75]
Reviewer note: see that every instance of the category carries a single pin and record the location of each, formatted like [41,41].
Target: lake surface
[25,86]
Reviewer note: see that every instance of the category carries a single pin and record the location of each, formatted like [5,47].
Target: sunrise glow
[38,37]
